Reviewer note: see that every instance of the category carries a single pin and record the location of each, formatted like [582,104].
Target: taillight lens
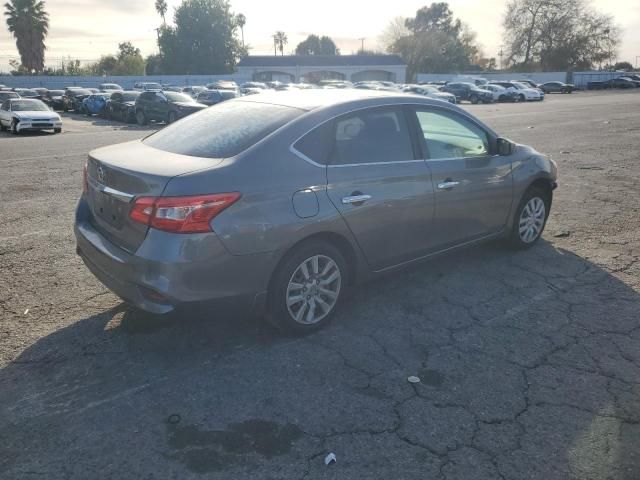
[85,180]
[191,214]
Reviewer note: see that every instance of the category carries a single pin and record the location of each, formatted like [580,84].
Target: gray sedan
[283,201]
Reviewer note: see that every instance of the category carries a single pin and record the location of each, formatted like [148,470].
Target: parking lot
[529,361]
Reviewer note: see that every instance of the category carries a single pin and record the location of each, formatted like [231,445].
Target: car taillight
[191,214]
[85,180]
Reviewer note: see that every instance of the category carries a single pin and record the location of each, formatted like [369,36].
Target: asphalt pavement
[529,362]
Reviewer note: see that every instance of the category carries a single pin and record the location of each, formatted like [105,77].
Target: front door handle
[447,184]
[355,199]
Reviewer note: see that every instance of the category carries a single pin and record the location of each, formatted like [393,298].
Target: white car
[523,92]
[431,92]
[500,94]
[23,114]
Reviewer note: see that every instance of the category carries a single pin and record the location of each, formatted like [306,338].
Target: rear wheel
[141,118]
[474,100]
[522,98]
[307,287]
[14,128]
[2,127]
[530,218]
[172,117]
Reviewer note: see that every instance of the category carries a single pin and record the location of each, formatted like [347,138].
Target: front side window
[448,135]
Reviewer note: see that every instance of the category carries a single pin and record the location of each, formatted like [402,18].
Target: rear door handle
[355,199]
[447,185]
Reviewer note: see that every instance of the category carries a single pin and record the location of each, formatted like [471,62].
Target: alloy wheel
[532,220]
[313,289]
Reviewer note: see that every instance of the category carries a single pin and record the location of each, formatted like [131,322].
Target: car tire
[502,98]
[474,100]
[172,117]
[14,128]
[530,218]
[57,130]
[2,127]
[522,98]
[315,258]
[108,113]
[141,118]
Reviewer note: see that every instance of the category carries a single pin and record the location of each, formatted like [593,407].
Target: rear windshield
[178,97]
[222,131]
[130,96]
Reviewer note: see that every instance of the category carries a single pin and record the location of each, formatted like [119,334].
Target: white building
[313,68]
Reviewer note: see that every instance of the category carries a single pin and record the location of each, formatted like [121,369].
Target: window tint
[371,136]
[224,130]
[318,144]
[451,136]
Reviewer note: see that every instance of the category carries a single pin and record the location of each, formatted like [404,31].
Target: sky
[86,29]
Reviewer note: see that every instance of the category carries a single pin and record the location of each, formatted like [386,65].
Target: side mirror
[505,147]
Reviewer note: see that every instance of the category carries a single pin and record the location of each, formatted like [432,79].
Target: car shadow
[100,121]
[522,355]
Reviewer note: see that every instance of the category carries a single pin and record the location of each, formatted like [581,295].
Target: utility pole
[637,57]
[501,54]
[362,39]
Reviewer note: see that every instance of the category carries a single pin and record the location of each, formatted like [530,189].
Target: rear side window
[224,130]
[373,135]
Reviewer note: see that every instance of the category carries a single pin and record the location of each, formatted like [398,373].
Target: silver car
[283,201]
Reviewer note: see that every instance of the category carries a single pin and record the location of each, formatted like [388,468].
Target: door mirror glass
[505,147]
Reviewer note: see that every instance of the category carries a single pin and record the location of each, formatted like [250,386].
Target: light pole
[362,39]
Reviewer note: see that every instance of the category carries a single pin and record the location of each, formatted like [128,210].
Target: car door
[379,184]
[5,115]
[473,186]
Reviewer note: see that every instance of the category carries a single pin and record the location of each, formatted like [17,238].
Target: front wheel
[14,128]
[530,218]
[307,287]
[141,118]
[522,98]
[57,130]
[474,100]
[172,117]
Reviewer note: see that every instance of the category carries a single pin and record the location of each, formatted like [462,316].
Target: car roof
[320,98]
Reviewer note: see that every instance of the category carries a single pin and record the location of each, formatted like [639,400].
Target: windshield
[223,130]
[178,97]
[129,97]
[520,86]
[28,106]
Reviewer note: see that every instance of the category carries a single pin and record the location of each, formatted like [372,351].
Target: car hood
[531,90]
[26,115]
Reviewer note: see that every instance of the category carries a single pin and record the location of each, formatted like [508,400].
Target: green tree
[315,45]
[154,65]
[557,35]
[626,66]
[126,49]
[28,22]
[279,41]
[241,21]
[434,41]
[161,8]
[203,40]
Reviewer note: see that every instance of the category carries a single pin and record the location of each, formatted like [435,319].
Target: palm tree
[241,21]
[161,8]
[279,41]
[28,21]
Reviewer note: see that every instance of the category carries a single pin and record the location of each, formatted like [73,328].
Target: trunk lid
[118,174]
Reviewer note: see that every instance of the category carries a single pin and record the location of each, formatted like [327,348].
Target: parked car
[95,104]
[223,85]
[144,86]
[53,98]
[122,106]
[557,87]
[72,99]
[25,114]
[501,94]
[171,88]
[193,91]
[523,92]
[467,91]
[109,87]
[212,97]
[635,82]
[6,95]
[598,85]
[28,93]
[431,92]
[528,83]
[164,107]
[621,82]
[252,86]
[41,91]
[633,76]
[248,204]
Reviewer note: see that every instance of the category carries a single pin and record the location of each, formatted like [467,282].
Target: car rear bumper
[172,270]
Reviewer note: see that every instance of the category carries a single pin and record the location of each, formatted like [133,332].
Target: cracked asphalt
[529,361]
